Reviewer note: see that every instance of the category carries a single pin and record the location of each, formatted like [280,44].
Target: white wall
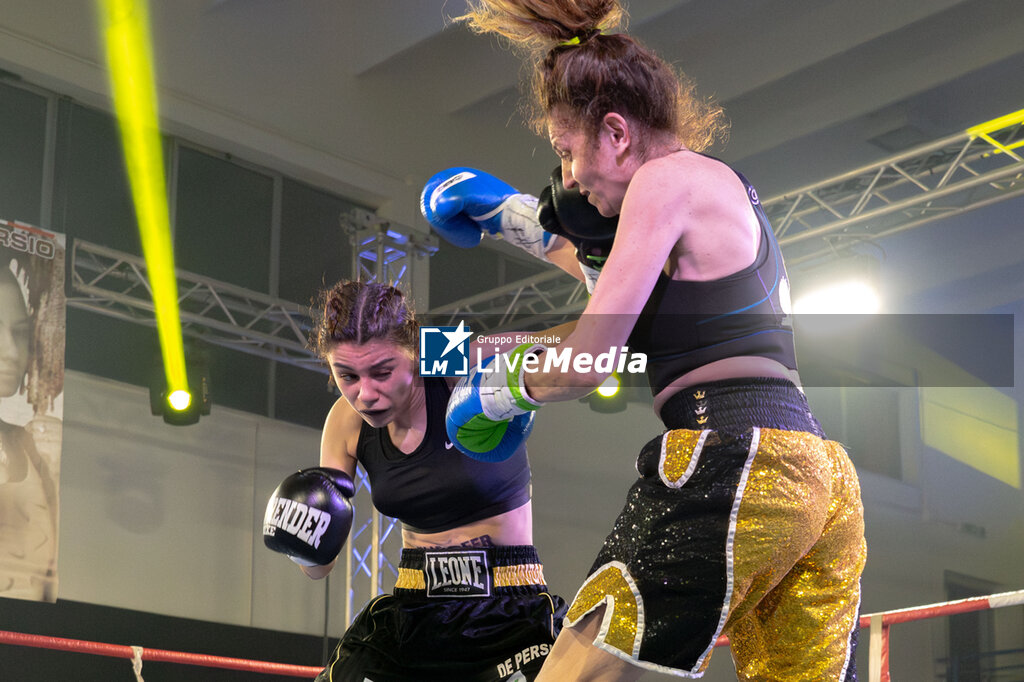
[166,519]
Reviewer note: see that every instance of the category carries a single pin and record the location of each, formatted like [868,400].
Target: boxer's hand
[463,204]
[309,516]
[489,413]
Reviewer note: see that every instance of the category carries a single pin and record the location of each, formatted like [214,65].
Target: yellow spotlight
[179,400]
[126,33]
[609,387]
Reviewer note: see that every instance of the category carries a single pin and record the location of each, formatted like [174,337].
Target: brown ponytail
[539,25]
[582,72]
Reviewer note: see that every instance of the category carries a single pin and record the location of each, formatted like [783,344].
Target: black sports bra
[687,324]
[436,488]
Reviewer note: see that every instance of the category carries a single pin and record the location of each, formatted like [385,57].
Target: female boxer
[746,520]
[470,602]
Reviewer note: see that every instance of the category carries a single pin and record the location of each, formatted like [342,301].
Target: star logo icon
[456,337]
[444,351]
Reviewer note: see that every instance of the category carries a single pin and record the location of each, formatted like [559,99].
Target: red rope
[161,655]
[157,655]
[950,608]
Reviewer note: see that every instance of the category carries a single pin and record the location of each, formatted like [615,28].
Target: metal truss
[373,546]
[542,300]
[382,253]
[115,284]
[948,177]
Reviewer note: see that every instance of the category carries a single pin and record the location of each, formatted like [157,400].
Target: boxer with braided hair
[470,602]
[747,520]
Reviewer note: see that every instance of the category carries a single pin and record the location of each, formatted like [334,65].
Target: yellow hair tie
[581,38]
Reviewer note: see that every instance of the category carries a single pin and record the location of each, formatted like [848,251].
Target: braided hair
[356,312]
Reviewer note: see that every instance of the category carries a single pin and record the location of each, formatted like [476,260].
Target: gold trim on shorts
[520,575]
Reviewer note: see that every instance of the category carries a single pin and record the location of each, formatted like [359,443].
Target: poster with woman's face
[32,332]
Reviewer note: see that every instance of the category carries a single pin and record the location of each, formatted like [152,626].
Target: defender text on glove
[304,522]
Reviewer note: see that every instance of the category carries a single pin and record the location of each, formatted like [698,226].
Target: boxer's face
[375,377]
[593,163]
[15,335]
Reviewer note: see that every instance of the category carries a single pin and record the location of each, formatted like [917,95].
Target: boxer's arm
[337,450]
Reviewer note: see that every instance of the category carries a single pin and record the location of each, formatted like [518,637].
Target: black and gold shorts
[479,615]
[746,521]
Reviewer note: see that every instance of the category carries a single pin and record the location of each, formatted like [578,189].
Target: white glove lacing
[519,225]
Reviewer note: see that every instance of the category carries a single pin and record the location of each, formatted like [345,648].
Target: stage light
[181,407]
[609,396]
[179,400]
[610,386]
[126,36]
[848,297]
[845,286]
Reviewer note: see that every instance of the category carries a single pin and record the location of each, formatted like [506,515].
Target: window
[22,146]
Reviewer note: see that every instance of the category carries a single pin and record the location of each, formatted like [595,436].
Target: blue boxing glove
[489,413]
[463,204]
[309,516]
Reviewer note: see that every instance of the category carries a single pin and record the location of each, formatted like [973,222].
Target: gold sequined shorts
[754,532]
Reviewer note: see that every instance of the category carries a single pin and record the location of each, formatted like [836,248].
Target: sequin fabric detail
[673,543]
[799,554]
[752,531]
[680,452]
[623,620]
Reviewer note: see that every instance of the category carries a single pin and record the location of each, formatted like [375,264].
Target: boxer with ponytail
[746,519]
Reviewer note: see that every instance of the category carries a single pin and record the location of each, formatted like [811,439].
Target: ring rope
[948,608]
[156,655]
[879,622]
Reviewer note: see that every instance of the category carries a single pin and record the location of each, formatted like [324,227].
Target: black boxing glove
[567,213]
[309,516]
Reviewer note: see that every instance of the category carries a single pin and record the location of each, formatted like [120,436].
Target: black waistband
[735,405]
[459,572]
[503,555]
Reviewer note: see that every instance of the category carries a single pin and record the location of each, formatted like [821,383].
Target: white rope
[137,663]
